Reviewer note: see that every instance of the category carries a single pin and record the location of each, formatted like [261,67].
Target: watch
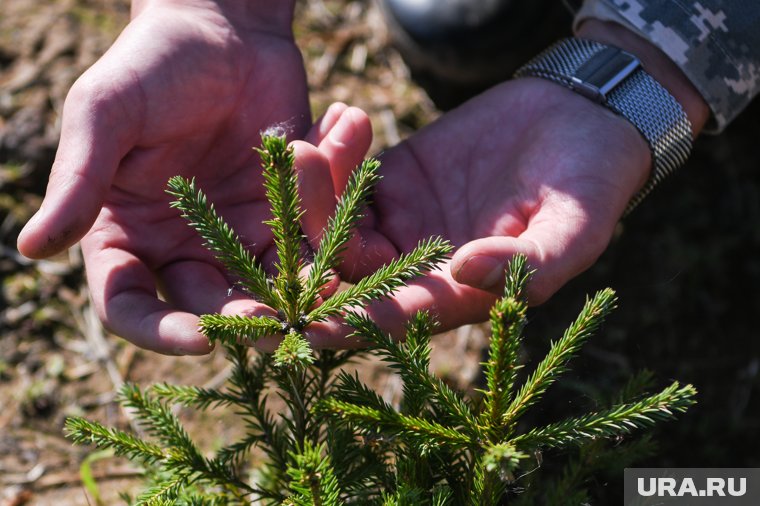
[615,79]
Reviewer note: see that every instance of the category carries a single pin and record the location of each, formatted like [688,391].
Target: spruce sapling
[469,450]
[337,441]
[297,443]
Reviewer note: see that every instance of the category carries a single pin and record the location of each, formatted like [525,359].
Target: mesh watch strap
[624,87]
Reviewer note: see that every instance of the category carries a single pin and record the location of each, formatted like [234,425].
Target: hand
[527,167]
[513,170]
[185,89]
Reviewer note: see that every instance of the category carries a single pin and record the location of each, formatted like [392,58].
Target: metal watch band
[616,80]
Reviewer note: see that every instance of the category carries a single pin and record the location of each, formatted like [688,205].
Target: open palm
[527,167]
[182,91]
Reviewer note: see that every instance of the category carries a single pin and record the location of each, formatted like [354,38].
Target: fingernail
[343,132]
[481,271]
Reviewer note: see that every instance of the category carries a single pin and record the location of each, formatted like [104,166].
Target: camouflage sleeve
[715,42]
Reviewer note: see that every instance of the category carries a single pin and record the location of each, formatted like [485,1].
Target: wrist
[655,62]
[259,15]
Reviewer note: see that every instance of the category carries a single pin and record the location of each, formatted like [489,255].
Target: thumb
[558,247]
[94,131]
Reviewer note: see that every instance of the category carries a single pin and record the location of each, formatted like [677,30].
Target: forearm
[715,44]
[656,63]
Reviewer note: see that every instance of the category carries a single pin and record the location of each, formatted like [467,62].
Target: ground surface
[686,266]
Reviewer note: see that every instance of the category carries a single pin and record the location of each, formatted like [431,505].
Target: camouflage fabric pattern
[715,42]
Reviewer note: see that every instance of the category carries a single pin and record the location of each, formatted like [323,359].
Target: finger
[124,296]
[560,242]
[346,144]
[268,344]
[451,305]
[318,200]
[325,123]
[315,188]
[95,130]
[200,288]
[367,249]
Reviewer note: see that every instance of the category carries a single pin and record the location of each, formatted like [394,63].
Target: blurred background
[686,266]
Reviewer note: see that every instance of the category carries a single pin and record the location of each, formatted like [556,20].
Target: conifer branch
[496,468]
[486,488]
[502,457]
[273,435]
[183,453]
[508,318]
[234,452]
[593,457]
[313,479]
[555,363]
[196,500]
[230,329]
[517,275]
[293,352]
[418,333]
[427,434]
[362,472]
[247,382]
[82,431]
[339,229]
[352,390]
[617,420]
[247,379]
[192,396]
[159,421]
[281,186]
[635,387]
[414,371]
[164,493]
[220,238]
[442,496]
[386,280]
[404,496]
[291,360]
